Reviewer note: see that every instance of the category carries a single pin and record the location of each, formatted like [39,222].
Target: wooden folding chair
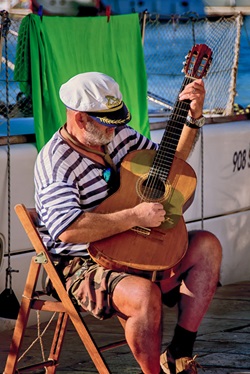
[65,308]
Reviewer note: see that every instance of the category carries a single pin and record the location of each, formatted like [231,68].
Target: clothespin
[108,12]
[40,12]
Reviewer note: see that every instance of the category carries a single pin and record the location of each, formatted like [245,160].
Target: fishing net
[19,105]
[166,43]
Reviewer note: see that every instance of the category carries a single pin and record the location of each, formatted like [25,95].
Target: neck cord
[104,155]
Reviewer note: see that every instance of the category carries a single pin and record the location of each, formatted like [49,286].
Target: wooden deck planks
[223,342]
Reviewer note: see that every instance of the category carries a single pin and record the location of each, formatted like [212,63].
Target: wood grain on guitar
[151,176]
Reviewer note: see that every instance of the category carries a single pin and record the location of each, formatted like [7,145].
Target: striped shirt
[68,183]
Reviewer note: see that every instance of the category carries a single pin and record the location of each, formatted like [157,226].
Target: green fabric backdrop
[53,49]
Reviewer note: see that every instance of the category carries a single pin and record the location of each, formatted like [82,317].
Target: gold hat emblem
[112,101]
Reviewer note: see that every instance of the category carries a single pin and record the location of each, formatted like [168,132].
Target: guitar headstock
[198,61]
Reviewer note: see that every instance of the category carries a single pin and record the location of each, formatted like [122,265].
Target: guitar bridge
[141,230]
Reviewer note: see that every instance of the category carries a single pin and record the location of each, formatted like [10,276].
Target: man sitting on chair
[72,177]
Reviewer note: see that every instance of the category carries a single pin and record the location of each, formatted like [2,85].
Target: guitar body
[154,249]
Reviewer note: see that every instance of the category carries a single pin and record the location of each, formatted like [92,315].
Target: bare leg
[140,301]
[200,268]
[199,271]
[203,262]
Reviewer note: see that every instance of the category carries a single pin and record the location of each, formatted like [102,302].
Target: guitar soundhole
[152,189]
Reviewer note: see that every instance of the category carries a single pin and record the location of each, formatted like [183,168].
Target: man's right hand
[149,214]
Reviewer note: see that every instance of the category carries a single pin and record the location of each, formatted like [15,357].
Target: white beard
[94,136]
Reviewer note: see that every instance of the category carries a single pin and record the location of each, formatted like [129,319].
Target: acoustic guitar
[155,176]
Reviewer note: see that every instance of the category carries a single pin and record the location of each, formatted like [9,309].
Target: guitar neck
[165,154]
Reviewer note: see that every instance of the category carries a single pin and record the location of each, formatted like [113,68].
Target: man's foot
[183,365]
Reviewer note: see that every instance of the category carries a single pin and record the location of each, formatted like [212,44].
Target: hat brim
[114,118]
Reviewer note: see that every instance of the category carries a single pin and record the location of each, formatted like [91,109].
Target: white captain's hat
[98,95]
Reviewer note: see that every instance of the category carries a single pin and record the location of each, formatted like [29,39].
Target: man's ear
[81,119]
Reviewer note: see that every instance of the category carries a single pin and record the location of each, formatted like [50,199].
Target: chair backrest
[29,220]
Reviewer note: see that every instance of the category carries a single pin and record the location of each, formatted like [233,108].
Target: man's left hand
[195,92]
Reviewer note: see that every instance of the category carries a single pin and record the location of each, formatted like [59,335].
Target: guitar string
[174,130]
[171,132]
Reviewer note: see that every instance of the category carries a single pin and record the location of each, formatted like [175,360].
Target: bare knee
[148,299]
[137,296]
[205,246]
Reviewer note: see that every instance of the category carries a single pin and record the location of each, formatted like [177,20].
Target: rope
[5,25]
[202,178]
[39,335]
[232,88]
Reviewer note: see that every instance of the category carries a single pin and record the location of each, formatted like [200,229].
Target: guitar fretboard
[165,154]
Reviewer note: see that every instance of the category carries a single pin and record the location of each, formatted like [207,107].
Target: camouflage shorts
[90,285]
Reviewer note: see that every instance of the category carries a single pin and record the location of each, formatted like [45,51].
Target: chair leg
[57,342]
[22,319]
